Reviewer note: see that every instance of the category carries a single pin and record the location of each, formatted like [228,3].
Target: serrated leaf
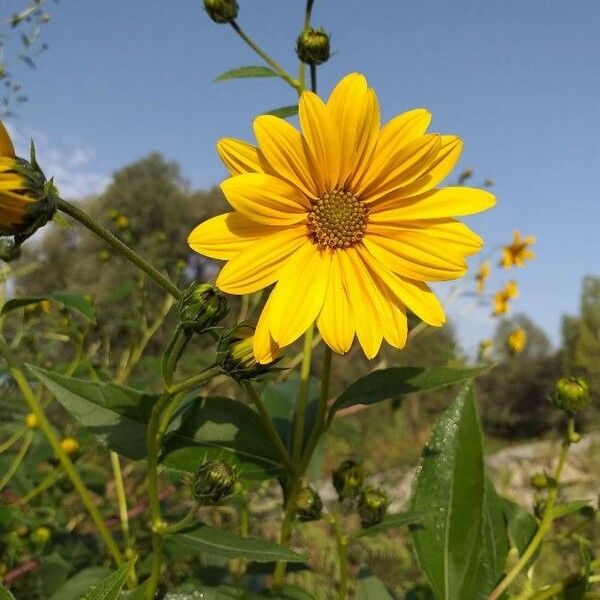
[400,381]
[246,72]
[226,544]
[449,484]
[80,583]
[283,112]
[389,522]
[109,587]
[74,301]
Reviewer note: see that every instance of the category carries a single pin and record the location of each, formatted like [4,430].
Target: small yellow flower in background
[482,275]
[70,446]
[41,535]
[517,340]
[31,421]
[484,348]
[45,306]
[344,218]
[502,298]
[122,222]
[518,252]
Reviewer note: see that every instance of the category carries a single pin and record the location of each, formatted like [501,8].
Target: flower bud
[104,255]
[309,505]
[235,354]
[27,200]
[41,535]
[539,481]
[348,479]
[202,306]
[214,481]
[312,46]
[372,505]
[31,421]
[70,446]
[571,394]
[221,11]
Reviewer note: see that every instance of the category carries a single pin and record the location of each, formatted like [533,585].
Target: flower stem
[275,66]
[303,395]
[119,246]
[195,380]
[63,457]
[13,439]
[307,16]
[545,522]
[342,550]
[17,460]
[46,483]
[313,78]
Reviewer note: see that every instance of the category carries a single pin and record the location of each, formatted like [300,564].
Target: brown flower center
[338,220]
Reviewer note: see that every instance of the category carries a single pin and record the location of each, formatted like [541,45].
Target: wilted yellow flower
[518,252]
[501,298]
[484,272]
[516,340]
[345,218]
[70,445]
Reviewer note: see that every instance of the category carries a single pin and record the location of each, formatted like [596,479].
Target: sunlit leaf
[109,587]
[284,112]
[246,72]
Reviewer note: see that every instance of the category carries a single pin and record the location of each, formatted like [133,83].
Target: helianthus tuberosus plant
[336,227]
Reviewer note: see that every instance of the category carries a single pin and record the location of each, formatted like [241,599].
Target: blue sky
[519,81]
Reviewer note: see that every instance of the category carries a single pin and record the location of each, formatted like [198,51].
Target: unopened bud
[221,11]
[31,421]
[309,505]
[214,481]
[70,446]
[571,394]
[539,481]
[201,307]
[41,535]
[312,47]
[348,479]
[372,505]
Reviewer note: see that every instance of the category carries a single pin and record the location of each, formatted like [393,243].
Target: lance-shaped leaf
[109,587]
[284,111]
[246,72]
[521,525]
[449,484]
[388,522]
[74,301]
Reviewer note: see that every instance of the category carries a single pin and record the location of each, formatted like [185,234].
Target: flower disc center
[338,219]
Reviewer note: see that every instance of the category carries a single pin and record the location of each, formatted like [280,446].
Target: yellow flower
[345,218]
[518,252]
[516,341]
[501,298]
[484,272]
[70,445]
[31,421]
[122,222]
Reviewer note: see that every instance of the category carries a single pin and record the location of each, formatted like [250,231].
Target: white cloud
[68,161]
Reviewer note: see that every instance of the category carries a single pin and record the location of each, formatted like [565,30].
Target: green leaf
[5,594]
[73,301]
[389,522]
[246,72]
[284,111]
[223,429]
[226,544]
[115,414]
[568,508]
[449,484]
[79,584]
[371,588]
[521,525]
[400,381]
[109,587]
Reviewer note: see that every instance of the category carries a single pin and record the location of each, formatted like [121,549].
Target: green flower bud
[104,255]
[348,479]
[372,505]
[571,394]
[235,354]
[539,481]
[312,47]
[221,11]
[214,481]
[201,307]
[41,535]
[309,505]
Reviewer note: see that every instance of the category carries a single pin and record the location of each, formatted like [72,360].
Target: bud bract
[202,306]
[235,354]
[571,394]
[312,46]
[372,505]
[309,505]
[214,481]
[221,11]
[348,479]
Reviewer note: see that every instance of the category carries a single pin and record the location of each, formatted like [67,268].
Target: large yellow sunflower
[344,218]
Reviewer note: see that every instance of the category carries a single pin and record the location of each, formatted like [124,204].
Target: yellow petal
[281,145]
[442,203]
[266,199]
[239,156]
[258,266]
[364,302]
[6,145]
[335,322]
[299,294]
[355,112]
[266,348]
[226,235]
[322,139]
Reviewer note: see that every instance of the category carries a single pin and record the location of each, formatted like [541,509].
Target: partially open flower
[27,200]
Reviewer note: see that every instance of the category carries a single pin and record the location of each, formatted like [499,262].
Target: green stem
[182,524]
[545,522]
[119,246]
[307,16]
[276,67]
[303,395]
[196,380]
[17,460]
[63,457]
[46,483]
[342,550]
[13,439]
[313,78]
